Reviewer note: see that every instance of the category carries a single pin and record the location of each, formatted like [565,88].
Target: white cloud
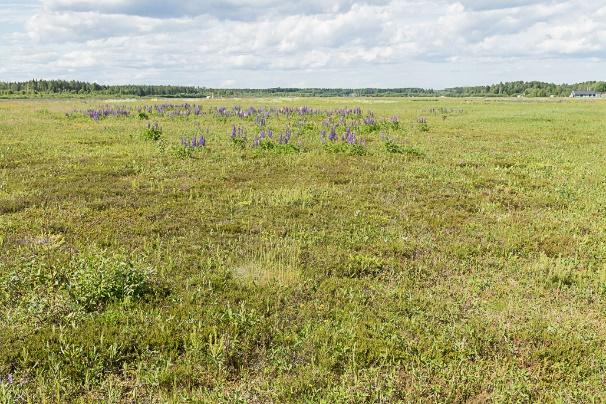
[278,42]
[223,9]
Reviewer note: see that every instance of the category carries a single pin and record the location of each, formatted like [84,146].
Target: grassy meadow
[454,251]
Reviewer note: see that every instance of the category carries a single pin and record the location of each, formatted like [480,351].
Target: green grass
[465,262]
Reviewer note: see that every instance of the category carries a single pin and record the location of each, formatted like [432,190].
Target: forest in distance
[71,88]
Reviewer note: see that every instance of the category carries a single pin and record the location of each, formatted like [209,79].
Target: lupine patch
[198,140]
[107,111]
[153,132]
[346,128]
[238,136]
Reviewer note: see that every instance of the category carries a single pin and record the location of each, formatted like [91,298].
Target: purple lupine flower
[284,138]
[333,134]
[370,119]
[9,378]
[351,137]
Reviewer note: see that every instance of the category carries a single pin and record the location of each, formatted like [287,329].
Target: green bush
[395,148]
[153,132]
[84,283]
[345,148]
[239,142]
[183,152]
[97,280]
[278,148]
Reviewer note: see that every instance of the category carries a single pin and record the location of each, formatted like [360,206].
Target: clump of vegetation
[238,136]
[153,132]
[85,283]
[189,147]
[393,123]
[94,280]
[281,144]
[392,147]
[347,143]
[360,265]
[422,124]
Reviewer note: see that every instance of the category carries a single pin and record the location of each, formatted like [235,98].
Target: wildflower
[285,137]
[370,119]
[333,134]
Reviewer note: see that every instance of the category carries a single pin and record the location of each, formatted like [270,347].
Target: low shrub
[392,147]
[84,283]
[96,280]
[153,132]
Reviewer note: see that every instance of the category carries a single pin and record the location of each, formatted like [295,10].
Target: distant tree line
[80,88]
[526,88]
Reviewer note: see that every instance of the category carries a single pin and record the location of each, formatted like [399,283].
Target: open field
[456,253]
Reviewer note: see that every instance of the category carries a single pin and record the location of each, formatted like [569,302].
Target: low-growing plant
[153,132]
[87,282]
[238,136]
[394,122]
[281,144]
[96,280]
[189,147]
[359,265]
[422,124]
[286,149]
[395,148]
[264,139]
[348,143]
[345,148]
[183,152]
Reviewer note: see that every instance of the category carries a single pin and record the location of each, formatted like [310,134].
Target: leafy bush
[84,283]
[395,148]
[189,146]
[183,152]
[278,148]
[286,149]
[153,132]
[238,136]
[346,148]
[422,124]
[97,280]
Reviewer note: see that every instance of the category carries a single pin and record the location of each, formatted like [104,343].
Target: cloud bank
[351,43]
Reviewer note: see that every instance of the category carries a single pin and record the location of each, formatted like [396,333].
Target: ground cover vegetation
[289,249]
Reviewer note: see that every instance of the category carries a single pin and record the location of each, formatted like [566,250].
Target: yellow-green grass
[470,270]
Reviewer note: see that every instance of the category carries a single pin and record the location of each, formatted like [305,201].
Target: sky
[313,43]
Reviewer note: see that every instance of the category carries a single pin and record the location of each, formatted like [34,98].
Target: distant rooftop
[583,93]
